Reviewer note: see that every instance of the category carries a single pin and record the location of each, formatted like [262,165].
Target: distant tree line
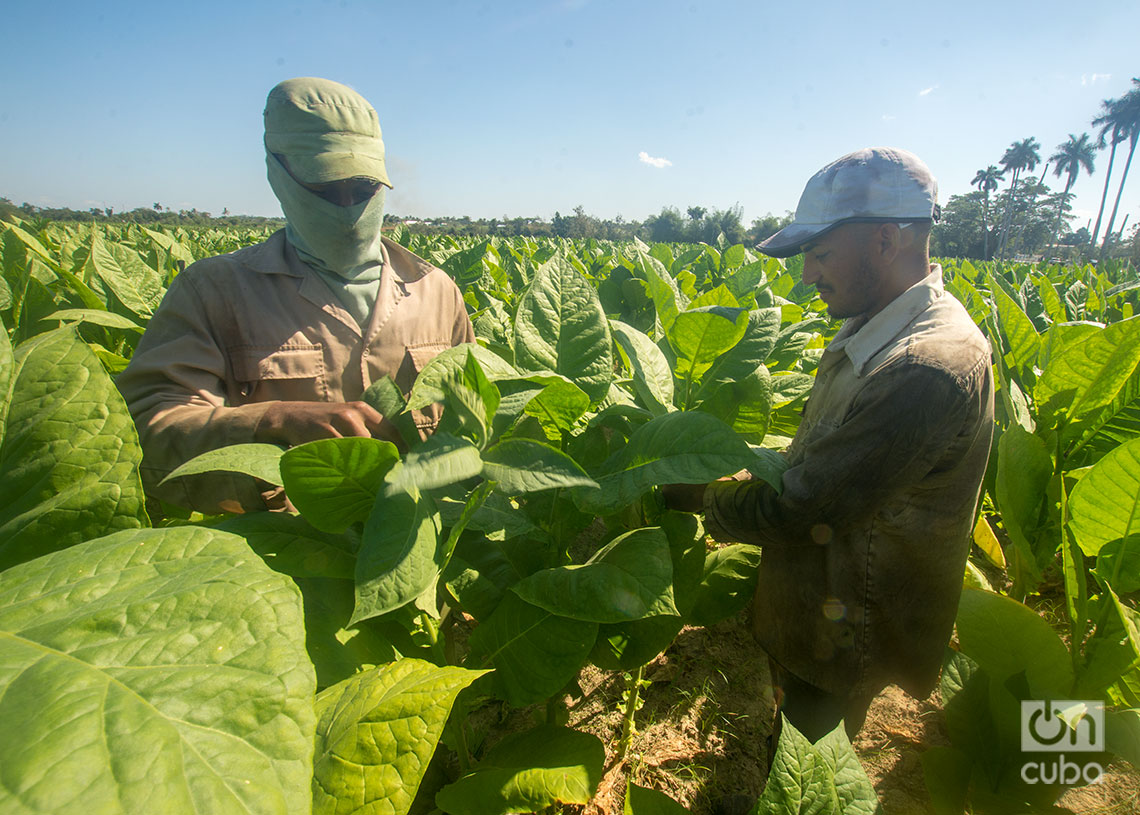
[156,214]
[698,225]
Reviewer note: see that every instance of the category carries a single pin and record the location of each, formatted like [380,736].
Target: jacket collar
[862,340]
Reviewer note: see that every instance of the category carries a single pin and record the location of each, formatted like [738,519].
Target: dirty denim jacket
[237,331]
[865,547]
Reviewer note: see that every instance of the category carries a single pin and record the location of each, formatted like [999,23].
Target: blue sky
[525,108]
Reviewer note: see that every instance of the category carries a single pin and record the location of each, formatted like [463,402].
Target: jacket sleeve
[175,388]
[897,431]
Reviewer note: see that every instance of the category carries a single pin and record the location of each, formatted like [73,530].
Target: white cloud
[887,117]
[654,162]
[1092,79]
[928,91]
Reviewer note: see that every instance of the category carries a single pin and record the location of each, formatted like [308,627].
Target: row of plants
[521,542]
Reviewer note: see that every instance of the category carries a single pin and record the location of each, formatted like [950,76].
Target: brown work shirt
[865,548]
[238,331]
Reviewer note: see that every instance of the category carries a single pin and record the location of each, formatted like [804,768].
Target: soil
[702,734]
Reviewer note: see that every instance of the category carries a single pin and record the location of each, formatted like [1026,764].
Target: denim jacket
[866,544]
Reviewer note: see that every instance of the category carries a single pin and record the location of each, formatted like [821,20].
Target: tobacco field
[318,661]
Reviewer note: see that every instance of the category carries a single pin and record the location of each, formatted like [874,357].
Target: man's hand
[684,497]
[291,423]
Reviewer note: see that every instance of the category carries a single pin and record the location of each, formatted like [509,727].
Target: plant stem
[632,697]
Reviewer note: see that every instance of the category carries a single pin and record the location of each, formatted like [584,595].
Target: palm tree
[1021,155]
[986,181]
[1070,158]
[1125,114]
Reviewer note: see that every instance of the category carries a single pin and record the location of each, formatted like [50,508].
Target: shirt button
[366,352]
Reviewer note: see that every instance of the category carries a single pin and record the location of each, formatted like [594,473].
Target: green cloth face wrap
[342,241]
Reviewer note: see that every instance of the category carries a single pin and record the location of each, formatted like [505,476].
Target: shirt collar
[862,340]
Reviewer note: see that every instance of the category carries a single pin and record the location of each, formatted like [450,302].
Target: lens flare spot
[834,610]
[822,534]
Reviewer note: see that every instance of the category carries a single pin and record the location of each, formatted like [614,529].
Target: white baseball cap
[872,185]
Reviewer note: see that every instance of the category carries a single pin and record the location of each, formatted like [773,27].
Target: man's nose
[811,273]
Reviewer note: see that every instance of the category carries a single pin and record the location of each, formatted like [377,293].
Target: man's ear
[887,241]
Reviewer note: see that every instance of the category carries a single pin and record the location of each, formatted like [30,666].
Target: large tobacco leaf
[534,652]
[628,579]
[529,772]
[561,326]
[154,666]
[652,375]
[1105,504]
[69,454]
[675,448]
[376,733]
[400,553]
[1005,637]
[1089,374]
[333,482]
[824,778]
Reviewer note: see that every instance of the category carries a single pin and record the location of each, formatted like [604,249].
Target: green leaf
[702,334]
[1122,734]
[799,781]
[429,384]
[521,466]
[1022,339]
[852,787]
[667,298]
[946,771]
[1105,504]
[561,326]
[1005,637]
[438,462]
[534,652]
[95,317]
[154,665]
[69,454]
[470,403]
[644,801]
[376,733]
[558,407]
[399,554]
[652,375]
[676,448]
[1113,648]
[744,404]
[384,396]
[528,772]
[337,651]
[136,285]
[259,460]
[728,583]
[288,544]
[1118,564]
[628,579]
[1023,472]
[333,482]
[1088,374]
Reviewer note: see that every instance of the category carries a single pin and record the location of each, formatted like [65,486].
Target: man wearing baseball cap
[277,342]
[865,546]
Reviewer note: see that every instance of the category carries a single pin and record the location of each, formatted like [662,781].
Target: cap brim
[325,167]
[787,241]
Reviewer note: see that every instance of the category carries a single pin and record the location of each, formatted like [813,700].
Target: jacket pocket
[423,353]
[286,372]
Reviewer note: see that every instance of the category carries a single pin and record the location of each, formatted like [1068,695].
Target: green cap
[326,131]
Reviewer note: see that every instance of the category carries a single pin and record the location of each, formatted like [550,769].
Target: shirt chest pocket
[290,372]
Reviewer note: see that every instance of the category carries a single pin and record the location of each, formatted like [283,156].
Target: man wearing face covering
[277,342]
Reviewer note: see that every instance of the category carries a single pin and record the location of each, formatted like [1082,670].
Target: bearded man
[277,342]
[865,546]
